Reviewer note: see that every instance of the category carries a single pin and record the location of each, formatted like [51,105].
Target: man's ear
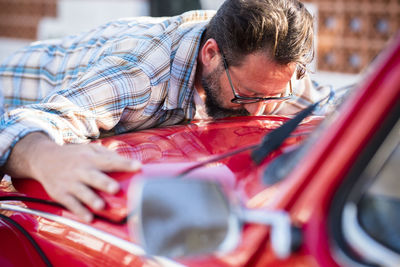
[210,54]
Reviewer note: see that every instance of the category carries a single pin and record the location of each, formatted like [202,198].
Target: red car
[326,193]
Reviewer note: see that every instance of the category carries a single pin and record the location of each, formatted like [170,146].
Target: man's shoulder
[145,23]
[152,44]
[145,30]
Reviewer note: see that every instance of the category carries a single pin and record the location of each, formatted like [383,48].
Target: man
[139,73]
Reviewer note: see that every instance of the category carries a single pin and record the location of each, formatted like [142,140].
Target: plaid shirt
[128,74]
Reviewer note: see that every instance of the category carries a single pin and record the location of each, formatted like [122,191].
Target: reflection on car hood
[168,151]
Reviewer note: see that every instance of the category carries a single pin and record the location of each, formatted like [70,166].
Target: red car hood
[169,151]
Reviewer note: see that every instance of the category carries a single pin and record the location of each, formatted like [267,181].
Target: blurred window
[365,216]
[159,8]
[379,208]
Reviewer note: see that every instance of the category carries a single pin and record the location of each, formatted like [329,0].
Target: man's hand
[68,173]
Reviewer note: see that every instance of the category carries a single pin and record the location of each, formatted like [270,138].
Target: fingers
[86,196]
[109,160]
[100,181]
[78,193]
[72,204]
[81,191]
[71,172]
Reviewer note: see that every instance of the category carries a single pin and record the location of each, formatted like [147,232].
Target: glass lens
[244,101]
[255,100]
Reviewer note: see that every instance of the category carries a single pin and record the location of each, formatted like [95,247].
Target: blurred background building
[350,33]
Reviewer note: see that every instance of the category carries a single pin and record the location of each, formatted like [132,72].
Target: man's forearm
[20,162]
[68,173]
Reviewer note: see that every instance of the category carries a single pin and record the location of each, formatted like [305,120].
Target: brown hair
[282,28]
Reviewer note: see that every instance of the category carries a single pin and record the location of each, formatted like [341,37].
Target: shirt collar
[183,70]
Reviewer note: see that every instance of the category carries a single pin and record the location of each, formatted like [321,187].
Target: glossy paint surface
[306,193]
[164,153]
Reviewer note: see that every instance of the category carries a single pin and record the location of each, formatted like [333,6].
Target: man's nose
[255,109]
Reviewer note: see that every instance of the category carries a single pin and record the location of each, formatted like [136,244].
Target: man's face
[257,76]
[214,100]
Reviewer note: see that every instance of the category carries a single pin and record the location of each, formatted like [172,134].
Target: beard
[214,102]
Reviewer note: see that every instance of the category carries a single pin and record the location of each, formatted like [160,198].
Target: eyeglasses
[247,99]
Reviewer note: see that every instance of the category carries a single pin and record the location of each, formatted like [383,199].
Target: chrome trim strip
[279,220]
[109,238]
[233,236]
[363,243]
